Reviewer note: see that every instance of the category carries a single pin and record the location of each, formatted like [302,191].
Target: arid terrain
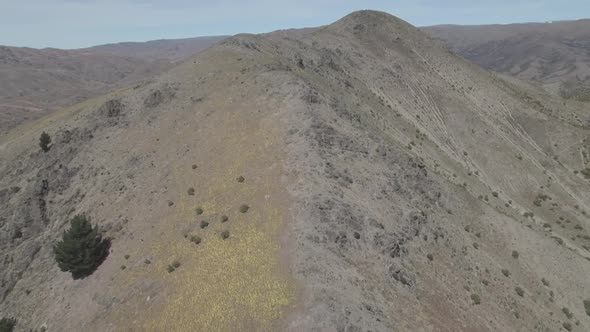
[555,55]
[36,82]
[355,177]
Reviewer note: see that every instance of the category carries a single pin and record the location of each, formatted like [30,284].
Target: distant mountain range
[38,81]
[556,55]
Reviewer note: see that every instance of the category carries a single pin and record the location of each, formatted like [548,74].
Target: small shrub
[485,282]
[558,240]
[7,324]
[240,179]
[123,267]
[127,256]
[172,267]
[430,257]
[515,254]
[44,141]
[519,291]
[225,234]
[194,166]
[199,211]
[170,203]
[147,261]
[495,194]
[506,273]
[191,191]
[224,218]
[204,224]
[587,306]
[475,245]
[475,298]
[244,208]
[82,249]
[545,282]
[567,313]
[356,235]
[195,239]
[567,326]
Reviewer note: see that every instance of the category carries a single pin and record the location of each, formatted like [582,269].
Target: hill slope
[172,49]
[37,82]
[555,54]
[389,184]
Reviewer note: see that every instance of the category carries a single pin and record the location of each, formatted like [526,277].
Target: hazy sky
[80,23]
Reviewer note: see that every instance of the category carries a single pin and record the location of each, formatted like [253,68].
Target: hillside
[172,49]
[556,55]
[37,82]
[353,177]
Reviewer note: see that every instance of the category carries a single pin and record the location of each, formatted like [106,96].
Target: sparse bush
[44,141]
[567,326]
[519,291]
[82,249]
[244,208]
[587,306]
[515,254]
[506,273]
[199,210]
[475,298]
[194,166]
[567,313]
[195,239]
[204,224]
[7,324]
[225,234]
[475,245]
[240,179]
[191,191]
[430,257]
[495,194]
[545,282]
[172,267]
[224,218]
[558,240]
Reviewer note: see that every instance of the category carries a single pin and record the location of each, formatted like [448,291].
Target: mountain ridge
[388,185]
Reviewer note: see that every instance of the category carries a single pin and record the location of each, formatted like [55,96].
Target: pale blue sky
[80,23]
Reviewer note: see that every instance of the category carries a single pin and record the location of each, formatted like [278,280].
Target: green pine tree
[7,324]
[82,249]
[44,141]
